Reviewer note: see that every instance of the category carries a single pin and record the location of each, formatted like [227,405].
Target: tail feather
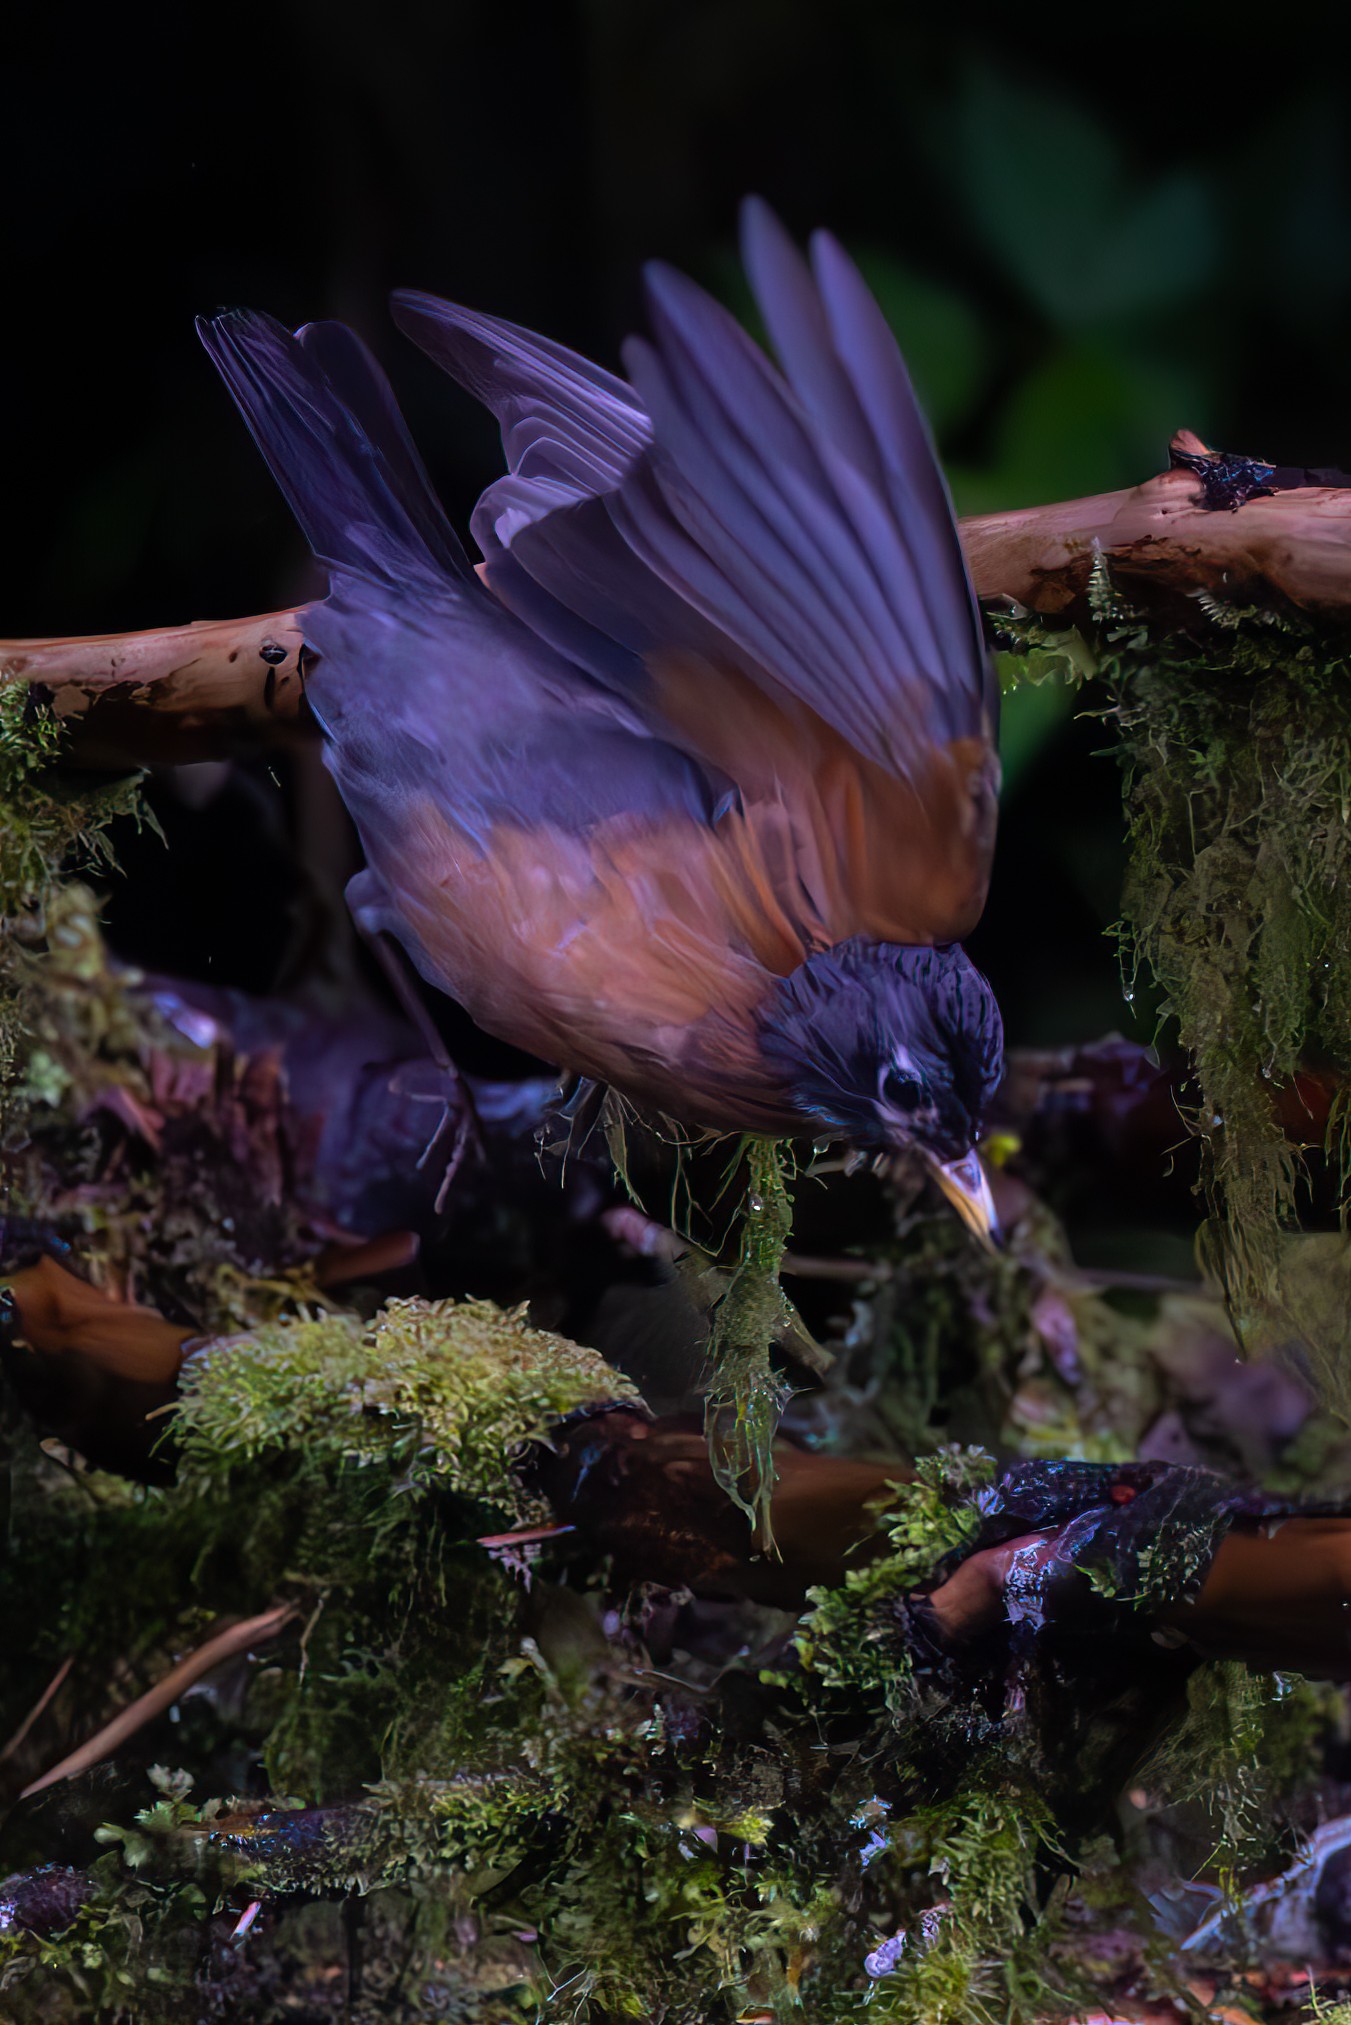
[323,415]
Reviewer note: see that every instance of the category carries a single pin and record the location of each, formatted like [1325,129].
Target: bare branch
[180,693]
[1164,545]
[237,1638]
[193,692]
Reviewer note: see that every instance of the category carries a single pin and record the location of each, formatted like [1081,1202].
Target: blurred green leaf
[938,330]
[1160,250]
[1048,190]
[1039,175]
[1029,719]
[1089,419]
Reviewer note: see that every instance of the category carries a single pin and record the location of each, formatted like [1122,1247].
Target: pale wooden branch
[195,692]
[1162,546]
[181,693]
[224,1645]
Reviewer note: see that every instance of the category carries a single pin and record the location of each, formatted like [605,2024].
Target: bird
[689,785]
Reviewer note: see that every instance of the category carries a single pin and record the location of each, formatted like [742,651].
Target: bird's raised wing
[806,516]
[569,429]
[582,884]
[782,569]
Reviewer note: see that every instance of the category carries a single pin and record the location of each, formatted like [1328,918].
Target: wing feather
[569,429]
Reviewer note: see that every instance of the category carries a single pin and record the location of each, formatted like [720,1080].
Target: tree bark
[1162,546]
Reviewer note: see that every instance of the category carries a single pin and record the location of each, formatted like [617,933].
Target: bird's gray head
[894,1047]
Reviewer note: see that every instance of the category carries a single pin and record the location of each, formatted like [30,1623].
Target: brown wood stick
[179,693]
[1162,546]
[224,1645]
[194,692]
[43,1701]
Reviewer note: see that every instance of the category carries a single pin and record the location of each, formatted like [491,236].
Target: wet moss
[1023,1352]
[745,1395]
[52,823]
[51,827]
[853,1638]
[1243,1743]
[1235,745]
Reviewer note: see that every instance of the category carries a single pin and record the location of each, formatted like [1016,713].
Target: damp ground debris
[383,1640]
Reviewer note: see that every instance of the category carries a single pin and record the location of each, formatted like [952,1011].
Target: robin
[690,785]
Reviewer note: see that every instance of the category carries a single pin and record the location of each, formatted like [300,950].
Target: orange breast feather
[638,950]
[635,952]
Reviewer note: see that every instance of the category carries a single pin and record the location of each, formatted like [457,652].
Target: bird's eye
[901,1092]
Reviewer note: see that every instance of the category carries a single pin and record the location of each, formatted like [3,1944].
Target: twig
[801,1266]
[16,1741]
[165,1692]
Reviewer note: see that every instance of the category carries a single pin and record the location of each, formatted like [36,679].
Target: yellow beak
[965,1184]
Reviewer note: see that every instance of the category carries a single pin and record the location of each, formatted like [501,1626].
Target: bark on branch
[198,691]
[179,693]
[1163,544]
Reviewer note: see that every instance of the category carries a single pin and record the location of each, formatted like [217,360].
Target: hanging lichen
[1235,744]
[48,826]
[745,1395]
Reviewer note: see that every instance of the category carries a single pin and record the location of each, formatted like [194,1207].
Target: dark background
[1087,230]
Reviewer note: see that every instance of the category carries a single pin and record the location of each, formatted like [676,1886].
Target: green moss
[1235,743]
[980,1951]
[745,1396]
[852,1637]
[1023,1354]
[445,1394]
[49,821]
[50,826]
[538,1819]
[353,1465]
[1244,1741]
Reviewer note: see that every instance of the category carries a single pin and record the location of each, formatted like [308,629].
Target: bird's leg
[746,1395]
[458,1105]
